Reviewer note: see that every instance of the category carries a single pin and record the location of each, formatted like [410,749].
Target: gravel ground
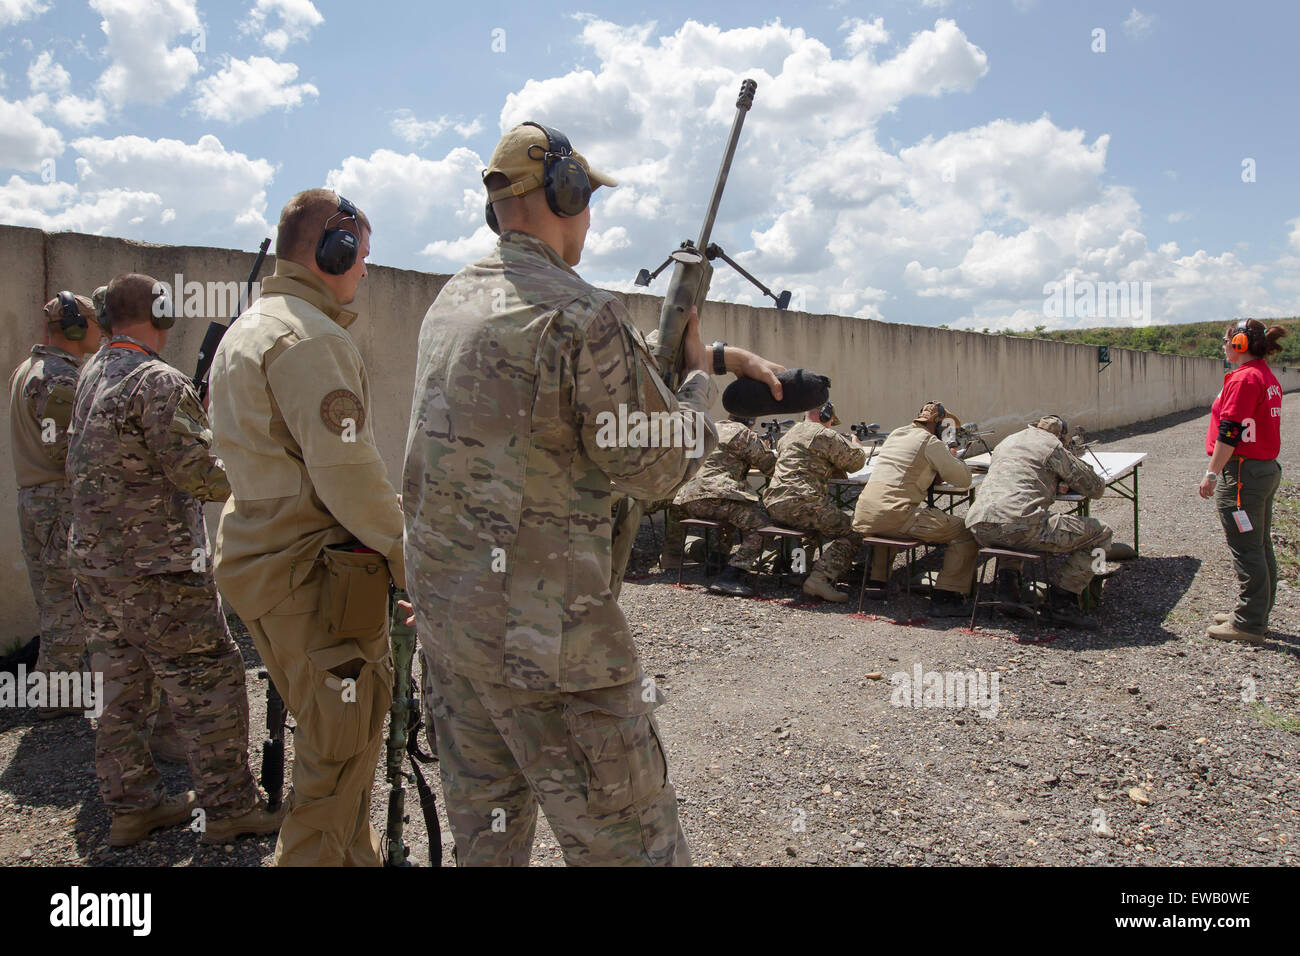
[1139,743]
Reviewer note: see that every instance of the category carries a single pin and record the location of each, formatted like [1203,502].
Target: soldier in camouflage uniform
[40,408]
[720,491]
[139,469]
[808,456]
[1013,509]
[537,691]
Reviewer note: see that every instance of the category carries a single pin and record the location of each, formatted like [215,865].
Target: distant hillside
[1196,338]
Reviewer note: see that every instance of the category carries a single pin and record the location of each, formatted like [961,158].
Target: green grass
[1271,718]
[1286,532]
[1201,339]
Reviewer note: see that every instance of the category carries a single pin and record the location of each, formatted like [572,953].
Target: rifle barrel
[743,103]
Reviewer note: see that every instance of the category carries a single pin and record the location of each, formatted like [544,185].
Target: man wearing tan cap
[312,532]
[1013,509]
[40,408]
[894,503]
[532,679]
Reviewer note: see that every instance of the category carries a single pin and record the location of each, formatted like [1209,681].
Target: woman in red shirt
[1243,442]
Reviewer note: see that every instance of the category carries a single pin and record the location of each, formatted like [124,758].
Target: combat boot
[1063,608]
[734,582]
[1228,631]
[134,826]
[255,822]
[1223,617]
[818,585]
[948,604]
[1010,600]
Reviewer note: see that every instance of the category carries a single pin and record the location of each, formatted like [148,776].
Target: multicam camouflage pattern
[40,407]
[44,513]
[840,543]
[1023,476]
[807,457]
[742,516]
[169,629]
[507,482]
[1012,506]
[605,792]
[139,467]
[724,473]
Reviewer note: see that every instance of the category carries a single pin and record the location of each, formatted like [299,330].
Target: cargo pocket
[623,755]
[354,596]
[54,553]
[351,692]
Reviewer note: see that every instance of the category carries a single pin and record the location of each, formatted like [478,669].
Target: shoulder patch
[338,407]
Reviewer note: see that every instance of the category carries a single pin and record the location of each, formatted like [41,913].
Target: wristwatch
[719,357]
[1213,476]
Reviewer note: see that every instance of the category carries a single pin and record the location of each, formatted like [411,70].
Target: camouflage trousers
[744,516]
[337,740]
[1072,535]
[44,513]
[933,526]
[592,759]
[169,629]
[840,542]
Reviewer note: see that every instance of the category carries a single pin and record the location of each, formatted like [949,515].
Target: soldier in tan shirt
[313,528]
[894,504]
[40,408]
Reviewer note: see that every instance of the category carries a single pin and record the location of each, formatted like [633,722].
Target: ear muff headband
[564,180]
[826,413]
[72,324]
[336,252]
[1242,338]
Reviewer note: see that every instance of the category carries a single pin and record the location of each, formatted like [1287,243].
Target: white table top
[1114,465]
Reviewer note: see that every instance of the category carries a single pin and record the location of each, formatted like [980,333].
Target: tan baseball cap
[1051,423]
[931,413]
[518,157]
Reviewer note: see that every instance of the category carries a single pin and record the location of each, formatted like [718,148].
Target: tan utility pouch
[354,595]
[352,678]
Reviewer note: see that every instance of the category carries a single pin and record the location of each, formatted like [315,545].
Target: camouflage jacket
[139,467]
[523,374]
[1022,479]
[807,457]
[40,408]
[724,473]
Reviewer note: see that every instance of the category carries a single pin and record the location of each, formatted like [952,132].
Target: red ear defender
[1240,341]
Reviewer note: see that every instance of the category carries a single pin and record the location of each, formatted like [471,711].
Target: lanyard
[128,345]
[1238,484]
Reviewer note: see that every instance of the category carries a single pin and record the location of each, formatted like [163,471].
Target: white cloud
[1138,24]
[418,132]
[1179,215]
[25,141]
[296,18]
[46,76]
[79,112]
[15,11]
[146,67]
[58,206]
[244,89]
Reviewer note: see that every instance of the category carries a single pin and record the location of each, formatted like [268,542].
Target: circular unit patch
[338,407]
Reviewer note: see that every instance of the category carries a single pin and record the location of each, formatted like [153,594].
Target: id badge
[1243,521]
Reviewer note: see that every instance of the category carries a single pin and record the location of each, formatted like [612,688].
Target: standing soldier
[893,503]
[1012,509]
[313,528]
[139,468]
[808,456]
[537,691]
[40,408]
[720,492]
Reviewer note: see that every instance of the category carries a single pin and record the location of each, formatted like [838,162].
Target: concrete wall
[879,371]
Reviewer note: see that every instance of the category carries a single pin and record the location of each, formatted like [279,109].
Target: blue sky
[929,162]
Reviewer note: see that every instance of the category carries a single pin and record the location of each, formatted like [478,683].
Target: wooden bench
[781,539]
[707,527]
[907,545]
[1036,559]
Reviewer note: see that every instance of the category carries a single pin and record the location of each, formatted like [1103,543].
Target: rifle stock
[216,331]
[402,637]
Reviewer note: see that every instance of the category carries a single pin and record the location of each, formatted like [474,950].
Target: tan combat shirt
[291,418]
[901,474]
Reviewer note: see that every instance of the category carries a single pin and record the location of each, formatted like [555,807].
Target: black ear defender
[337,250]
[564,180]
[161,313]
[72,324]
[826,413]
